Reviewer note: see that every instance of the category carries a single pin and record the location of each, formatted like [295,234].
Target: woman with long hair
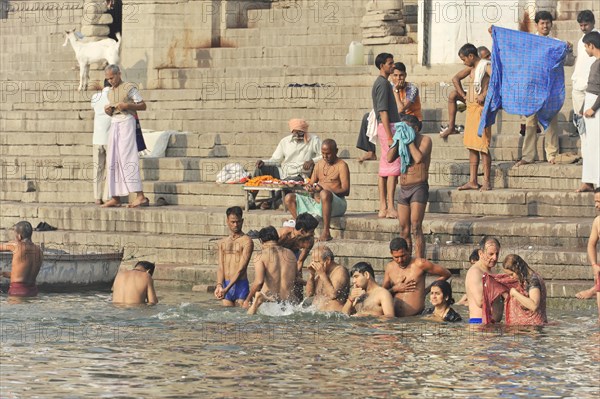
[526,301]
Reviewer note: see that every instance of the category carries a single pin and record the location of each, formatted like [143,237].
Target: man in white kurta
[100,142]
[590,144]
[122,155]
[583,63]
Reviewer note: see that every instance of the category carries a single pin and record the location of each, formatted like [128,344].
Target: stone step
[558,232]
[300,36]
[551,263]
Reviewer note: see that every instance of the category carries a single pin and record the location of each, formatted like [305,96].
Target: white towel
[479,74]
[372,127]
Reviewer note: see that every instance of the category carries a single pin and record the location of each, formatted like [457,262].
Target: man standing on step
[294,158]
[100,141]
[543,24]
[136,286]
[327,190]
[26,261]
[489,251]
[583,64]
[123,161]
[235,251]
[414,187]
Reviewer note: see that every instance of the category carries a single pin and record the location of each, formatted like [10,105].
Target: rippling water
[81,346]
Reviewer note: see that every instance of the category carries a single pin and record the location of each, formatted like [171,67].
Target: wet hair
[307,222]
[24,229]
[467,50]
[106,83]
[516,264]
[267,234]
[474,257]
[397,244]
[362,268]
[482,48]
[487,239]
[327,253]
[330,143]
[543,16]
[400,66]
[381,59]
[234,210]
[446,290]
[411,120]
[592,38]
[586,16]
[149,266]
[113,68]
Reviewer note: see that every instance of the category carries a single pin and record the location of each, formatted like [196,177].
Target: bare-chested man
[593,256]
[489,251]
[300,238]
[328,281]
[414,187]
[405,278]
[136,286]
[328,188]
[235,251]
[274,272]
[366,297]
[26,261]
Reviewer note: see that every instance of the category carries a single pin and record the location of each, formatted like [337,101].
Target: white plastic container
[356,54]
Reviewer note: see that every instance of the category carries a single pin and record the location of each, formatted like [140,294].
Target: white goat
[86,53]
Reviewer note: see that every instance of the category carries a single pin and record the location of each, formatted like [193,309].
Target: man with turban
[294,158]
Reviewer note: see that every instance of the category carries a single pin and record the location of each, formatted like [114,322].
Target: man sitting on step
[294,158]
[327,190]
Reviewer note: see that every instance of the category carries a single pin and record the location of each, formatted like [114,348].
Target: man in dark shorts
[414,189]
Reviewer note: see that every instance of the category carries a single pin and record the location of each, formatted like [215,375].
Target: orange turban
[298,124]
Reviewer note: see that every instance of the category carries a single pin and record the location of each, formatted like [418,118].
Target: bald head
[330,143]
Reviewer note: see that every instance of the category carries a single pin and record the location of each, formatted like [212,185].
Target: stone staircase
[232,105]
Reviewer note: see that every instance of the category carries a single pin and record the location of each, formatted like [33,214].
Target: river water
[81,346]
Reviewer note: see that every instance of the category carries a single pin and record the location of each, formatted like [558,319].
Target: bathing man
[136,286]
[26,261]
[235,251]
[328,281]
[366,297]
[405,278]
[274,272]
[489,251]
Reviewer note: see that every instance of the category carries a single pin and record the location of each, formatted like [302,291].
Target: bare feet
[447,132]
[552,161]
[369,156]
[111,203]
[522,162]
[99,202]
[139,203]
[486,186]
[586,294]
[585,188]
[382,213]
[392,214]
[469,186]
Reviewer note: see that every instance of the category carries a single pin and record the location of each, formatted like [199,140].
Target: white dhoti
[123,163]
[590,144]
